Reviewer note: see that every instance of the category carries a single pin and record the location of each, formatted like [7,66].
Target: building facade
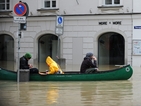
[108,28]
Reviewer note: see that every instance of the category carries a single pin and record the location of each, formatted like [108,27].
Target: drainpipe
[132,34]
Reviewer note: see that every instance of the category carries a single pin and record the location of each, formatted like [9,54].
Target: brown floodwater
[90,93]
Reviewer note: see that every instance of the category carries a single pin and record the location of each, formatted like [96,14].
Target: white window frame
[50,4]
[104,3]
[5,3]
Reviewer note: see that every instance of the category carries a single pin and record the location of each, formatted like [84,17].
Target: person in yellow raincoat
[53,66]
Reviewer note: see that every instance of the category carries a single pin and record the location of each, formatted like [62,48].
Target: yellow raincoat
[53,66]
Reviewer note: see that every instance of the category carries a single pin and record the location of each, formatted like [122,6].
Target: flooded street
[94,93]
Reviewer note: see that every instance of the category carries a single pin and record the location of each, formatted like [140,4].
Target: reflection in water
[8,94]
[24,94]
[94,93]
[113,93]
[52,94]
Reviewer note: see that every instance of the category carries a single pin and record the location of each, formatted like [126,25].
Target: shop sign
[137,27]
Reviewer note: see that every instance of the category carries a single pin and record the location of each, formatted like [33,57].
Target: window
[108,5]
[112,2]
[50,4]
[4,4]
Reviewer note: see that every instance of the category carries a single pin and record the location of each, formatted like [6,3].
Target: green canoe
[122,73]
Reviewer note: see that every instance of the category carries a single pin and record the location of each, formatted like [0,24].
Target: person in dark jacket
[89,64]
[24,63]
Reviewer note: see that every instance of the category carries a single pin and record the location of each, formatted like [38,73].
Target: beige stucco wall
[79,7]
[136,36]
[80,34]
[81,28]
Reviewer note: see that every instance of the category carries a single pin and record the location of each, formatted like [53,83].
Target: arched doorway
[6,52]
[47,46]
[111,49]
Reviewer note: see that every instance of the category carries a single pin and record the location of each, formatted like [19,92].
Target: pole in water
[58,46]
[18,71]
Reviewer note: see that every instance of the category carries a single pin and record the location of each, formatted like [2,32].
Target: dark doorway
[116,49]
[111,49]
[6,51]
[47,46]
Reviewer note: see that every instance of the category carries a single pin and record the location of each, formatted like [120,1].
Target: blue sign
[137,27]
[60,20]
[20,9]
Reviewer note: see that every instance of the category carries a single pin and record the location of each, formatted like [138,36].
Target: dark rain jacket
[86,64]
[24,63]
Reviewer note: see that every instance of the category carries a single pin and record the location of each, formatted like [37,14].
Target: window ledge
[47,9]
[5,12]
[110,7]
